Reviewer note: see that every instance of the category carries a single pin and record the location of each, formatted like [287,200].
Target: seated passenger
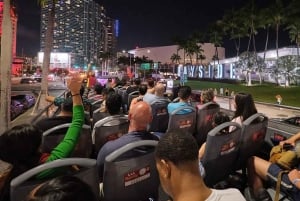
[206,97]
[105,93]
[260,171]
[63,188]
[178,168]
[134,87]
[64,116]
[139,116]
[142,92]
[98,93]
[20,146]
[150,86]
[244,107]
[159,90]
[184,95]
[219,118]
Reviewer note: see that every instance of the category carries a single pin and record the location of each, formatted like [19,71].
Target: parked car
[26,100]
[27,80]
[16,108]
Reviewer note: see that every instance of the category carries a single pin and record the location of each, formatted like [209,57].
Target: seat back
[133,179]
[221,152]
[131,96]
[97,115]
[95,105]
[21,186]
[254,131]
[185,122]
[109,128]
[204,120]
[53,136]
[160,116]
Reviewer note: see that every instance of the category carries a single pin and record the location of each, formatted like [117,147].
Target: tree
[233,26]
[6,61]
[293,25]
[215,37]
[278,19]
[47,51]
[287,66]
[175,58]
[249,62]
[265,17]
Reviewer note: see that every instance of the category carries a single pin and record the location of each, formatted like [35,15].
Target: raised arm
[68,144]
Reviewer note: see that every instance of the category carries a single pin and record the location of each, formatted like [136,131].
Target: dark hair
[98,88]
[64,188]
[20,147]
[113,103]
[137,81]
[142,89]
[184,92]
[178,147]
[20,143]
[245,106]
[220,117]
[150,82]
[106,91]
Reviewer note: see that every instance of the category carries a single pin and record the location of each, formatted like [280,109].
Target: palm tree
[278,19]
[47,50]
[293,25]
[287,65]
[175,58]
[233,26]
[265,20]
[6,61]
[215,37]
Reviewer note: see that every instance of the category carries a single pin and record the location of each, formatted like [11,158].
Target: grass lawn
[263,93]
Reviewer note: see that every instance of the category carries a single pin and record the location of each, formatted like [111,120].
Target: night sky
[143,23]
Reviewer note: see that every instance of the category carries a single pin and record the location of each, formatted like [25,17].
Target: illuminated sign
[57,59]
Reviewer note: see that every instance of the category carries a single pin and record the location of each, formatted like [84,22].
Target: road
[270,110]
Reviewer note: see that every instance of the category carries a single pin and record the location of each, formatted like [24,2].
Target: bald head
[159,89]
[140,116]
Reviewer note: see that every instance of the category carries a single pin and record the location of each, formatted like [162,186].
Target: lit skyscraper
[80,28]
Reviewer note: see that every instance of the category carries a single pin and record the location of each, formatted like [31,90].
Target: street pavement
[270,110]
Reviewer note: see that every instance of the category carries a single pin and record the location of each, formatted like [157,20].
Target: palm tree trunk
[46,60]
[277,54]
[6,61]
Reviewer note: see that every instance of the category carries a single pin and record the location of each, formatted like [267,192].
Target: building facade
[80,29]
[14,19]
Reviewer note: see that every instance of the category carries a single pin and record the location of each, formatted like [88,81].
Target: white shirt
[230,194]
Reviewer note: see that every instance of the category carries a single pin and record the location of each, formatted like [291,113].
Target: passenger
[113,105]
[64,116]
[105,93]
[260,171]
[150,86]
[140,116]
[20,146]
[244,107]
[134,87]
[219,118]
[206,97]
[98,93]
[178,168]
[158,95]
[64,188]
[184,95]
[142,92]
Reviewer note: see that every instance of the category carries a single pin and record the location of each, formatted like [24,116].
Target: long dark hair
[245,106]
[20,147]
[64,188]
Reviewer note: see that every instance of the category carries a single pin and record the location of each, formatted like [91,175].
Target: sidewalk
[270,110]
